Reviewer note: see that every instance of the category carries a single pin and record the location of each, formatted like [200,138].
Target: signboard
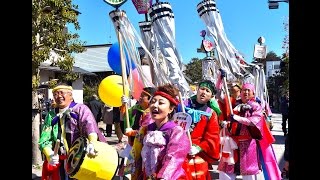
[260,51]
[115,3]
[182,119]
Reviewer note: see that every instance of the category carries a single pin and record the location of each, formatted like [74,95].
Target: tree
[285,56]
[278,84]
[194,70]
[285,45]
[91,84]
[50,36]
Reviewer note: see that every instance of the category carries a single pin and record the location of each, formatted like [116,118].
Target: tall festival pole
[142,7]
[118,13]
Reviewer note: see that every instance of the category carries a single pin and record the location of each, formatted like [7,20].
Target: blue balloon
[114,59]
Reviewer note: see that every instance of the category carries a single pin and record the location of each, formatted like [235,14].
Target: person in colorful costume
[204,131]
[253,149]
[67,122]
[139,116]
[164,144]
[222,100]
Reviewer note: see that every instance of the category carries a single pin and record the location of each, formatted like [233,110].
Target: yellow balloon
[111,89]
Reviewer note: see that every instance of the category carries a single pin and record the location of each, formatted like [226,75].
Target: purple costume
[164,151]
[80,122]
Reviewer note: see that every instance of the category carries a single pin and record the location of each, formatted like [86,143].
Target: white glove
[194,150]
[124,99]
[53,159]
[127,130]
[242,120]
[223,124]
[90,150]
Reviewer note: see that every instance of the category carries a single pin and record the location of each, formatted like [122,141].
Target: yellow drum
[101,167]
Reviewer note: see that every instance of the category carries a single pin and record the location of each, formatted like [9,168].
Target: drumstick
[56,147]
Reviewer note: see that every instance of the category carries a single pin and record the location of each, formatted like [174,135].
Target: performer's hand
[245,107]
[129,132]
[53,159]
[223,124]
[90,150]
[124,99]
[222,73]
[194,150]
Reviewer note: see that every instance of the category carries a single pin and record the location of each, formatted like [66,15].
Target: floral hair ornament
[167,96]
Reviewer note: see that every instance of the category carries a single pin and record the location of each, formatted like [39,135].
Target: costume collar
[67,112]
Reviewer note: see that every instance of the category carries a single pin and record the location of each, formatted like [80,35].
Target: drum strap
[62,125]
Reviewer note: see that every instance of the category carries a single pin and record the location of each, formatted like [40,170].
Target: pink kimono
[164,151]
[252,153]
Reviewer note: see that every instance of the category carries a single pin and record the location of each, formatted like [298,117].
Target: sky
[244,22]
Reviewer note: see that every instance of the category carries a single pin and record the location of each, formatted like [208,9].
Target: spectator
[107,117]
[96,107]
[118,124]
[284,107]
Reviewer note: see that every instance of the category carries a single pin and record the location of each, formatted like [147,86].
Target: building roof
[57,69]
[94,58]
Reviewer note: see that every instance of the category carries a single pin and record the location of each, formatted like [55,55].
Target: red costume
[205,134]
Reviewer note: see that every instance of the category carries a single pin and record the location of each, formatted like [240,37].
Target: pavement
[278,147]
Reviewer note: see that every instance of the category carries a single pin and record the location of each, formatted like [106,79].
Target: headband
[61,87]
[167,96]
[146,93]
[235,84]
[248,86]
[207,85]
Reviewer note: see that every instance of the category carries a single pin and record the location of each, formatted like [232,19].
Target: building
[92,62]
[94,59]
[48,73]
[272,67]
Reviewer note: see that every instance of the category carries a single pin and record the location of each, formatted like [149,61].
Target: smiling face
[204,95]
[62,98]
[160,108]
